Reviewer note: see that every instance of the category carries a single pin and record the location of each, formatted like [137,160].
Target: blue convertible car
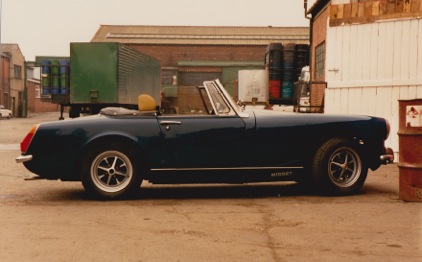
[201,135]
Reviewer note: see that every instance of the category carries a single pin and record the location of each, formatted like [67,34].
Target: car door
[204,141]
[203,130]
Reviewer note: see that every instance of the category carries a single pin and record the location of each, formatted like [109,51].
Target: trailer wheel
[74,111]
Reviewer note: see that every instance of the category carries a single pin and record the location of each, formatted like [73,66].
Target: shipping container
[99,75]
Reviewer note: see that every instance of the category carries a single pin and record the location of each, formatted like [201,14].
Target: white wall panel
[377,54]
[378,64]
[413,49]
[419,91]
[373,52]
[405,50]
[393,140]
[386,50]
[364,52]
[397,51]
[355,98]
[353,53]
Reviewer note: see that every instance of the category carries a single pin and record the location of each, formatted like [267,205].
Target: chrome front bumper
[21,159]
[388,158]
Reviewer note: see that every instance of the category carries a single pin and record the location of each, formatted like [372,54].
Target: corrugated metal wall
[369,67]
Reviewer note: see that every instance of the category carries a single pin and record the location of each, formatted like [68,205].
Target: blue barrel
[287,89]
[64,67]
[45,67]
[45,77]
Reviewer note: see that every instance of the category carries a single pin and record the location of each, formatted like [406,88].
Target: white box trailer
[253,86]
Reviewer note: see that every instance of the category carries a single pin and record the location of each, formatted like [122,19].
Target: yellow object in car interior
[146,103]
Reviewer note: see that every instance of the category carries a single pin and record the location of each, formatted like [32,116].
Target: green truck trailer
[99,75]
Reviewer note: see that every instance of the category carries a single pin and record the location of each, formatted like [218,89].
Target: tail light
[28,138]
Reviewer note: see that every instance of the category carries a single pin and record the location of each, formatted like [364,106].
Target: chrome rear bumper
[388,157]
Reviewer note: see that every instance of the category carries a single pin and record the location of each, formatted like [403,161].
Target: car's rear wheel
[110,171]
[338,168]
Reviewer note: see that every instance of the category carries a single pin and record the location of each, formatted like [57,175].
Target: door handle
[170,123]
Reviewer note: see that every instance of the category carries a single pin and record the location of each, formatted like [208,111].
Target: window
[219,102]
[320,60]
[37,91]
[168,77]
[185,100]
[18,72]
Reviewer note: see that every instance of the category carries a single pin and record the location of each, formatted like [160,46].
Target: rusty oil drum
[410,150]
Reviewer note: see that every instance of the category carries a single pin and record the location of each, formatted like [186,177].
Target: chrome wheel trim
[111,171]
[344,167]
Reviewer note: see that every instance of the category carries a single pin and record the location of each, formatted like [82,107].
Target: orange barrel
[410,150]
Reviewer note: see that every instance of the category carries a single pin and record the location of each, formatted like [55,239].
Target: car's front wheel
[338,168]
[110,171]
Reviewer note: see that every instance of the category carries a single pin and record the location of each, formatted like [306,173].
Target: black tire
[110,171]
[338,168]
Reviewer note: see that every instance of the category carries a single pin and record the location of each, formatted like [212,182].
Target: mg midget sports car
[201,135]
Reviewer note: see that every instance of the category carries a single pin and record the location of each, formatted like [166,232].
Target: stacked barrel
[64,77]
[274,63]
[46,77]
[55,77]
[284,63]
[289,72]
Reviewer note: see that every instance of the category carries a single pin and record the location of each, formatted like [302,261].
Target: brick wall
[317,91]
[317,85]
[36,105]
[170,54]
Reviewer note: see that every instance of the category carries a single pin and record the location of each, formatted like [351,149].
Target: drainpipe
[25,93]
[305,6]
[311,21]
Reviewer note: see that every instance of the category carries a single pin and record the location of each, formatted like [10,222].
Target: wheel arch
[352,135]
[359,144]
[118,139]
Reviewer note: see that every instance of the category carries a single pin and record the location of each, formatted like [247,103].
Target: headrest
[146,103]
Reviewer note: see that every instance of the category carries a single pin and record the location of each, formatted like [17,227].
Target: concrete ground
[56,221]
